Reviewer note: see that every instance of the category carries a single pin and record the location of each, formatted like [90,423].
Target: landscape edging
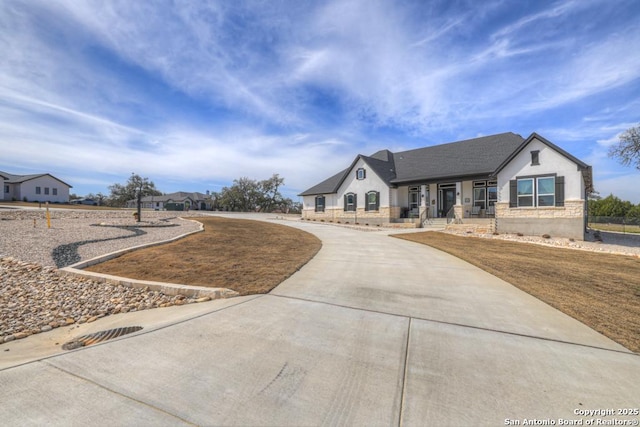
[166,288]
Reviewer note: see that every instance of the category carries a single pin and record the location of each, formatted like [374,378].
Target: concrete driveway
[372,331]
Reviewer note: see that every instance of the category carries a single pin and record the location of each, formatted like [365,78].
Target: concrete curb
[166,288]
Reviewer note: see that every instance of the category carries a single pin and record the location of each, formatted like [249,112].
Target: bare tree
[627,150]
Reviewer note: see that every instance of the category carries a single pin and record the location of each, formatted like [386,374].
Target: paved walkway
[372,331]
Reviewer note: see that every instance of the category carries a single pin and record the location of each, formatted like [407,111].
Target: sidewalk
[372,331]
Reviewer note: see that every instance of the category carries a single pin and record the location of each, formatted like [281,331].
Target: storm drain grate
[97,337]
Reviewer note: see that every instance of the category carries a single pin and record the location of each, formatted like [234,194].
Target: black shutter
[366,201]
[364,173]
[377,200]
[355,202]
[345,202]
[316,207]
[513,193]
[559,190]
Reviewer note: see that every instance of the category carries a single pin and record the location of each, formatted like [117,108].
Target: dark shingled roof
[18,179]
[329,185]
[478,156]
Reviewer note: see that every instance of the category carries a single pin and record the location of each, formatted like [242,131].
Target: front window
[480,197]
[6,188]
[55,191]
[492,195]
[350,202]
[546,191]
[485,194]
[38,190]
[361,174]
[46,190]
[320,203]
[525,192]
[372,201]
[539,191]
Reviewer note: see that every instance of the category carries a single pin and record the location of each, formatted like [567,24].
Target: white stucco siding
[550,162]
[309,202]
[43,185]
[361,187]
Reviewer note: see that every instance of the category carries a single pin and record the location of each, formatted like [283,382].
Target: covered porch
[456,200]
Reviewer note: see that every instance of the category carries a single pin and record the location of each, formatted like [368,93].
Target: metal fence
[618,224]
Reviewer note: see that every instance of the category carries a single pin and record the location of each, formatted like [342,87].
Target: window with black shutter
[350,202]
[536,191]
[373,201]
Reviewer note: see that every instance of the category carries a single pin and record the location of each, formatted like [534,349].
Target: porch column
[458,209]
[424,202]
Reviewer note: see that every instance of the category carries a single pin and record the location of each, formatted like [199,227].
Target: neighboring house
[33,188]
[518,185]
[85,201]
[175,201]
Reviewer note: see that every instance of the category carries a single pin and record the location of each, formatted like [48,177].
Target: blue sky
[194,94]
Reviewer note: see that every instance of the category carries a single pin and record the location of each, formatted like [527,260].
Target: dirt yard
[600,290]
[250,257]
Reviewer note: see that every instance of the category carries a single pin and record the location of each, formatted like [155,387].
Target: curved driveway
[372,331]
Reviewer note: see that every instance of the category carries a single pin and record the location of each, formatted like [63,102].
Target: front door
[448,200]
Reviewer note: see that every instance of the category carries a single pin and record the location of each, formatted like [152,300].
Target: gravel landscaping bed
[596,241]
[93,233]
[35,298]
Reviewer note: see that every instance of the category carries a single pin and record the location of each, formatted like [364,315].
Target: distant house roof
[176,197]
[18,179]
[472,157]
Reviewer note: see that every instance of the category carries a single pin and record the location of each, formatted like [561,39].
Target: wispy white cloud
[252,88]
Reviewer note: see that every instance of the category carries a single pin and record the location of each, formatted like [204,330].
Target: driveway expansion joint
[461,325]
[117,393]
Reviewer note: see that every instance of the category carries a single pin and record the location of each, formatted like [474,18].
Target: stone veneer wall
[380,216]
[566,221]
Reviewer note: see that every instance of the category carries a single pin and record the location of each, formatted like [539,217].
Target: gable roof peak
[384,155]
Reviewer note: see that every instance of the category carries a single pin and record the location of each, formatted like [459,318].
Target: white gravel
[603,242]
[35,298]
[21,239]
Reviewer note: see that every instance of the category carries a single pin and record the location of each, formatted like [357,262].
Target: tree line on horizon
[249,195]
[244,195]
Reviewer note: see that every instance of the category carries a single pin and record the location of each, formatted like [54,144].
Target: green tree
[270,196]
[627,150]
[135,188]
[633,215]
[611,206]
[229,198]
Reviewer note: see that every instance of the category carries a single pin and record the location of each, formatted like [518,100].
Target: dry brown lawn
[600,290]
[250,257]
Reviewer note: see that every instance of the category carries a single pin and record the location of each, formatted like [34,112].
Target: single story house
[517,185]
[33,188]
[180,201]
